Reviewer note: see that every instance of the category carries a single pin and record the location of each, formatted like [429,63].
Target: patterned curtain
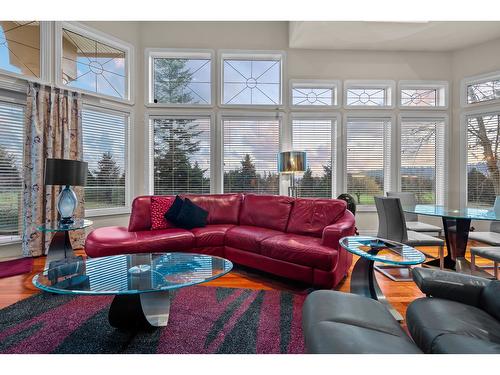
[53,130]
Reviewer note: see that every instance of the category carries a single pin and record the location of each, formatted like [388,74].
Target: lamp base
[66,205]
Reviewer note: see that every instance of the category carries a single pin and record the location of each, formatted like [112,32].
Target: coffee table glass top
[131,274]
[380,250]
[464,213]
[56,226]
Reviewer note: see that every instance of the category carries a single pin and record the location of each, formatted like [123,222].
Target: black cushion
[335,322]
[173,211]
[191,216]
[430,318]
[490,299]
[451,343]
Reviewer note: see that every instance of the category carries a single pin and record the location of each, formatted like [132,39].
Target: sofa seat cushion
[335,322]
[266,211]
[249,238]
[311,216]
[211,235]
[118,240]
[304,250]
[222,208]
[429,318]
[450,343]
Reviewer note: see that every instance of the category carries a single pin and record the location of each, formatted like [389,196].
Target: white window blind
[483,174]
[105,149]
[368,158]
[181,155]
[423,159]
[314,136]
[251,146]
[11,158]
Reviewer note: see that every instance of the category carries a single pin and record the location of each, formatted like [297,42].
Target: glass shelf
[58,227]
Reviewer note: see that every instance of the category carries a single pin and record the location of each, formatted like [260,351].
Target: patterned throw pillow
[160,205]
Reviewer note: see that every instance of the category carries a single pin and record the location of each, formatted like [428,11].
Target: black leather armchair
[460,315]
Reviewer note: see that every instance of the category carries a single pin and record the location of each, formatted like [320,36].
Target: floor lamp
[290,162]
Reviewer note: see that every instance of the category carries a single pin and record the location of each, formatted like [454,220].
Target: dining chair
[408,200]
[493,236]
[392,226]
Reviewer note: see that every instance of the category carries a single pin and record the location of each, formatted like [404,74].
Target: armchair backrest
[391,219]
[407,200]
[490,299]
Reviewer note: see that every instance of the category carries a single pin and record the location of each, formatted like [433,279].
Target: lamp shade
[292,161]
[65,172]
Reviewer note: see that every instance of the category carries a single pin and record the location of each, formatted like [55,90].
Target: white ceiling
[390,36]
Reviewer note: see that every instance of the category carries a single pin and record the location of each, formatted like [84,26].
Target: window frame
[101,37]
[442,88]
[256,55]
[151,53]
[335,85]
[336,137]
[129,114]
[393,166]
[480,78]
[8,78]
[388,85]
[149,140]
[425,116]
[244,115]
[484,111]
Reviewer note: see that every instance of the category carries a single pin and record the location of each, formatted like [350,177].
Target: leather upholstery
[335,323]
[249,238]
[298,249]
[490,252]
[490,238]
[211,235]
[429,318]
[418,226]
[222,208]
[313,257]
[451,343]
[267,211]
[490,299]
[310,216]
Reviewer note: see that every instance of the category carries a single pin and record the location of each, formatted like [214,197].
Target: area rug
[16,267]
[202,320]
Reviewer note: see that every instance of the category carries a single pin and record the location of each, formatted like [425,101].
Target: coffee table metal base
[364,283]
[145,310]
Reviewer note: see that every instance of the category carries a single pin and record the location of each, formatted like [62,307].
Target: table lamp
[66,173]
[290,162]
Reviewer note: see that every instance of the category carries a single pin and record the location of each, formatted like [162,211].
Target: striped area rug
[202,320]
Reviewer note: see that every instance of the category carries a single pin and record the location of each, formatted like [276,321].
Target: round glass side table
[371,250]
[60,245]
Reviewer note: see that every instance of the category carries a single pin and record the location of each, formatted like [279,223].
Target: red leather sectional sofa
[296,238]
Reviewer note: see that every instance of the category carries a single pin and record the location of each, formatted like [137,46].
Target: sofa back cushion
[140,217]
[222,208]
[267,211]
[490,299]
[311,216]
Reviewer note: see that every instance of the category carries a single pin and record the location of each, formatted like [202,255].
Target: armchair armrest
[450,285]
[341,228]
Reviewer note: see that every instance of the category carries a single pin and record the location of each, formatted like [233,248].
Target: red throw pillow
[160,205]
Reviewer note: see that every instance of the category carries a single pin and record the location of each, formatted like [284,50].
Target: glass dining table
[456,225]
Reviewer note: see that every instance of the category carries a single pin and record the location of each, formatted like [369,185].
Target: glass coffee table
[371,250]
[141,283]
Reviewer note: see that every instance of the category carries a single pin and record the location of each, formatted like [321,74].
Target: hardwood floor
[399,294]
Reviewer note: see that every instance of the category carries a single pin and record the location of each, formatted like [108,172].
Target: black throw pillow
[173,211]
[191,216]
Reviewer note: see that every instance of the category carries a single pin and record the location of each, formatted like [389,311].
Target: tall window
[251,79]
[181,155]
[105,149]
[92,65]
[423,159]
[11,157]
[368,158]
[181,78]
[314,136]
[250,151]
[20,47]
[483,166]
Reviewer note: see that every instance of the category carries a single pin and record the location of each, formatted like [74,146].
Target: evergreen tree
[107,177]
[306,183]
[8,168]
[171,81]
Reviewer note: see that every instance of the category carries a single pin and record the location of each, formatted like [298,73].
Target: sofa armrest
[343,227]
[450,285]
